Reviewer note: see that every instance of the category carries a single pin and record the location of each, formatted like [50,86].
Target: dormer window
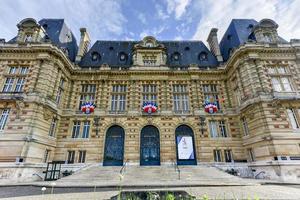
[267,37]
[203,56]
[149,44]
[123,57]
[176,56]
[65,50]
[95,56]
[28,38]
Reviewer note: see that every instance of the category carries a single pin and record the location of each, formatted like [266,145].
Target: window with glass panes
[293,117]
[46,155]
[76,129]
[15,80]
[251,155]
[281,79]
[217,155]
[228,155]
[149,93]
[3,119]
[52,127]
[245,126]
[217,129]
[118,98]
[88,94]
[71,157]
[210,93]
[60,91]
[81,129]
[180,98]
[82,155]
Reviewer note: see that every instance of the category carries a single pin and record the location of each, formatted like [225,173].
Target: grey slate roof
[59,34]
[110,52]
[237,33]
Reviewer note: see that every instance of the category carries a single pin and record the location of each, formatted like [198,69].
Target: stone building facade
[252,76]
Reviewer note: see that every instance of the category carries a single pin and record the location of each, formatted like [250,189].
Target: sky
[163,19]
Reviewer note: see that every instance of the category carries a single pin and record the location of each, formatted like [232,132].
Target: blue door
[185,146]
[150,146]
[114,146]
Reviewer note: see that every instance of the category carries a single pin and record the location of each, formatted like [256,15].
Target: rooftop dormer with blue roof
[241,31]
[123,53]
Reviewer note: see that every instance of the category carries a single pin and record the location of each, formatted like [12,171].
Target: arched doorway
[185,146]
[150,146]
[114,146]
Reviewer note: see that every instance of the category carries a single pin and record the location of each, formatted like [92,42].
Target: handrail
[176,168]
[123,168]
[261,172]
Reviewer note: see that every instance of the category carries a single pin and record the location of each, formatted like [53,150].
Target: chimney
[214,44]
[84,44]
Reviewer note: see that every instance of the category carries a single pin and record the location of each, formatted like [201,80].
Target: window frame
[4,118]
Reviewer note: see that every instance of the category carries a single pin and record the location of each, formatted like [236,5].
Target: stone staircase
[152,176]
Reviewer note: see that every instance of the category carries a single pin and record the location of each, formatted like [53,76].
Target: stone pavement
[268,192]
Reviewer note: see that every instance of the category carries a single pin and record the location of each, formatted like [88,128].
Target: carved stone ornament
[20,105]
[47,114]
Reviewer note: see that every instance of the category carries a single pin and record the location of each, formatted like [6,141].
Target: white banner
[185,147]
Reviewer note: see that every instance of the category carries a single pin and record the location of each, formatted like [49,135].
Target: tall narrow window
[228,155]
[222,128]
[251,155]
[24,70]
[213,129]
[3,119]
[211,94]
[86,129]
[71,157]
[118,98]
[20,85]
[217,155]
[149,93]
[60,91]
[245,126]
[76,129]
[180,98]
[52,127]
[88,94]
[81,158]
[13,70]
[8,85]
[46,155]
[293,118]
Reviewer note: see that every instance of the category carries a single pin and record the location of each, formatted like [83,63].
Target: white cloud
[142,18]
[102,18]
[177,6]
[219,15]
[155,32]
[160,13]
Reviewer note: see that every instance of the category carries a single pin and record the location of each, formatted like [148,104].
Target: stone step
[151,175]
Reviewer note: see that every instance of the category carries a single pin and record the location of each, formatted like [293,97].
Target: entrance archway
[185,146]
[150,146]
[114,146]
